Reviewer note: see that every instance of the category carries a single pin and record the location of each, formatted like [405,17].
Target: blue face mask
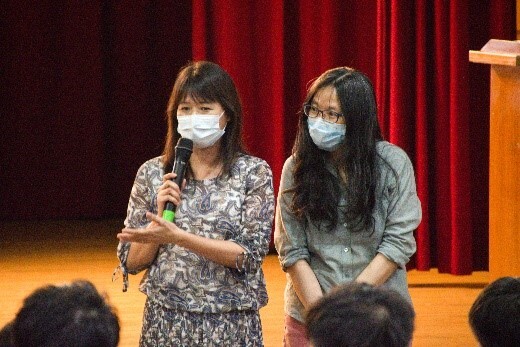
[325,135]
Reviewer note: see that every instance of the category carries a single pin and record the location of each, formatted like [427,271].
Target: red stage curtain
[424,92]
[83,91]
[417,56]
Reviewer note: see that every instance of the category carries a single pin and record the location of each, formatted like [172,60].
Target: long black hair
[316,190]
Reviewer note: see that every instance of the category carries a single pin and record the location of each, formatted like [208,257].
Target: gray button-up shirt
[340,255]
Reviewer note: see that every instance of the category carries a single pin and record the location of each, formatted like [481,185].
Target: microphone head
[183,149]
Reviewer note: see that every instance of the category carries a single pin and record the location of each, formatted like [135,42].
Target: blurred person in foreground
[494,317]
[74,314]
[360,315]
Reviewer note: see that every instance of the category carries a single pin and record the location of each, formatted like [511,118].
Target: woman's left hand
[160,231]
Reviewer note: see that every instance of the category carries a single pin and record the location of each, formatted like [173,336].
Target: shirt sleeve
[403,213]
[141,201]
[289,233]
[257,216]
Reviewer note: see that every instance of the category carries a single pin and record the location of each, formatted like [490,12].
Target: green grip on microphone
[168,215]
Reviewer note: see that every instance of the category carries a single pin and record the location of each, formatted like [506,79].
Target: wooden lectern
[504,159]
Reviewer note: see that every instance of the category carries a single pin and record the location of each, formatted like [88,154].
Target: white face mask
[325,135]
[203,129]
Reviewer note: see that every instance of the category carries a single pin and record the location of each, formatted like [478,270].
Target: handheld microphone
[182,155]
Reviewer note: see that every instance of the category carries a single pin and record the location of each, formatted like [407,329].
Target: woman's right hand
[168,191]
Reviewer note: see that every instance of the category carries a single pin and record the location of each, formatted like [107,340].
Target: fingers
[169,176]
[162,233]
[127,235]
[146,235]
[123,237]
[168,192]
[154,218]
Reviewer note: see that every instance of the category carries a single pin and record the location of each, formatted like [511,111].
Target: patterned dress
[192,301]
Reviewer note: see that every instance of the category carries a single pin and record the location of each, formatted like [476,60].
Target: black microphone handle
[179,167]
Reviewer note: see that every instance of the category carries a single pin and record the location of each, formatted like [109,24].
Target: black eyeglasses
[328,116]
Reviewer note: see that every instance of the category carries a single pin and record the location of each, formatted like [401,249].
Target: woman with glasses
[204,281]
[347,204]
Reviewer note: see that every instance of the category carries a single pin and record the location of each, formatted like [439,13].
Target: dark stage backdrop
[84,87]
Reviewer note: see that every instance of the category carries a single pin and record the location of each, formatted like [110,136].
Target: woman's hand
[160,231]
[168,191]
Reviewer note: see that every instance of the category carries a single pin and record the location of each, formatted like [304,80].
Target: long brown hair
[205,81]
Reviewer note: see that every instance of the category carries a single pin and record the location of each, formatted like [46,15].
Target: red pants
[295,334]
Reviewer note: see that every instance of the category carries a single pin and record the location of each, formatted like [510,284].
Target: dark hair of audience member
[67,315]
[358,314]
[6,335]
[494,317]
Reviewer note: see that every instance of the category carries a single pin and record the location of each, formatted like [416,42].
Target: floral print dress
[192,301]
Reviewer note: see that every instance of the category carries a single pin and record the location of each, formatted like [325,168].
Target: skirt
[164,327]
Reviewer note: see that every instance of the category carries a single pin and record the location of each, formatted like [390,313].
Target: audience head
[358,314]
[6,335]
[494,317]
[66,315]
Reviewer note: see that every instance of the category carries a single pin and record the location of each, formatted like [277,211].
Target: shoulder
[152,164]
[288,166]
[395,166]
[247,164]
[287,179]
[251,173]
[393,155]
[151,169]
